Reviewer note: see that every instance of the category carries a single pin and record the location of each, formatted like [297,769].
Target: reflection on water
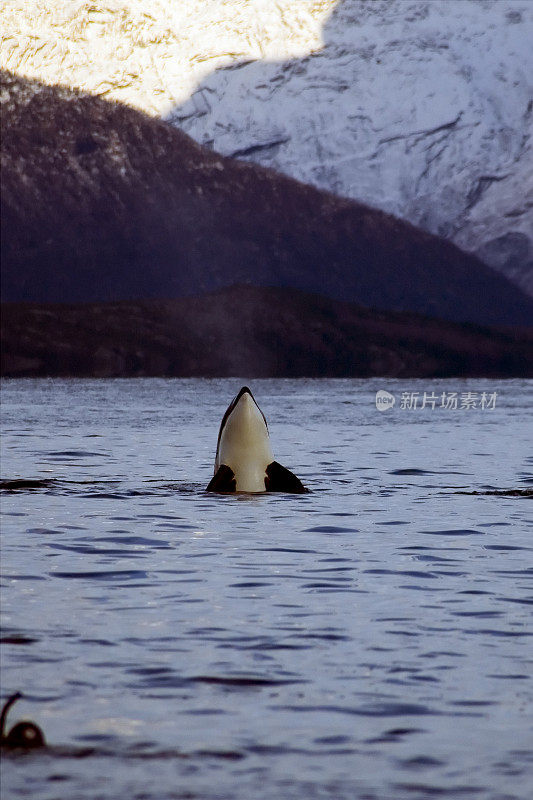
[369,639]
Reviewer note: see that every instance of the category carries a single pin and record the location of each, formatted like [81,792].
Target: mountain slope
[100,202]
[419,108]
[423,109]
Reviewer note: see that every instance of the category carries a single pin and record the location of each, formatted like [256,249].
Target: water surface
[368,640]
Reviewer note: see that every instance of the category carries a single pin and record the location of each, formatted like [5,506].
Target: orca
[244,461]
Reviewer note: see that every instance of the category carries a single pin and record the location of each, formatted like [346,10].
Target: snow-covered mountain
[420,107]
[101,203]
[423,109]
[151,54]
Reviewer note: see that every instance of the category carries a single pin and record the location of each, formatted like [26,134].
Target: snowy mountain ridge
[422,108]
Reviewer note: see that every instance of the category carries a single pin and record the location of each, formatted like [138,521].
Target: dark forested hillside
[254,332]
[103,203]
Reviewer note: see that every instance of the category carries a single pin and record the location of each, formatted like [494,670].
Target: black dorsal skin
[25,735]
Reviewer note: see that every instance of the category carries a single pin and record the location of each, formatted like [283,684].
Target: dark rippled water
[369,640]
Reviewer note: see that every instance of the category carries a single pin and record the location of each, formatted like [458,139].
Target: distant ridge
[251,331]
[102,203]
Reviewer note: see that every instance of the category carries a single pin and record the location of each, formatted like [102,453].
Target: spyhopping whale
[244,461]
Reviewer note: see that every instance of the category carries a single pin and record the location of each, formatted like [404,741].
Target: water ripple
[371,640]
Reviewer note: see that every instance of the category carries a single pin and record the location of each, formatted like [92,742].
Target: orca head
[244,443]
